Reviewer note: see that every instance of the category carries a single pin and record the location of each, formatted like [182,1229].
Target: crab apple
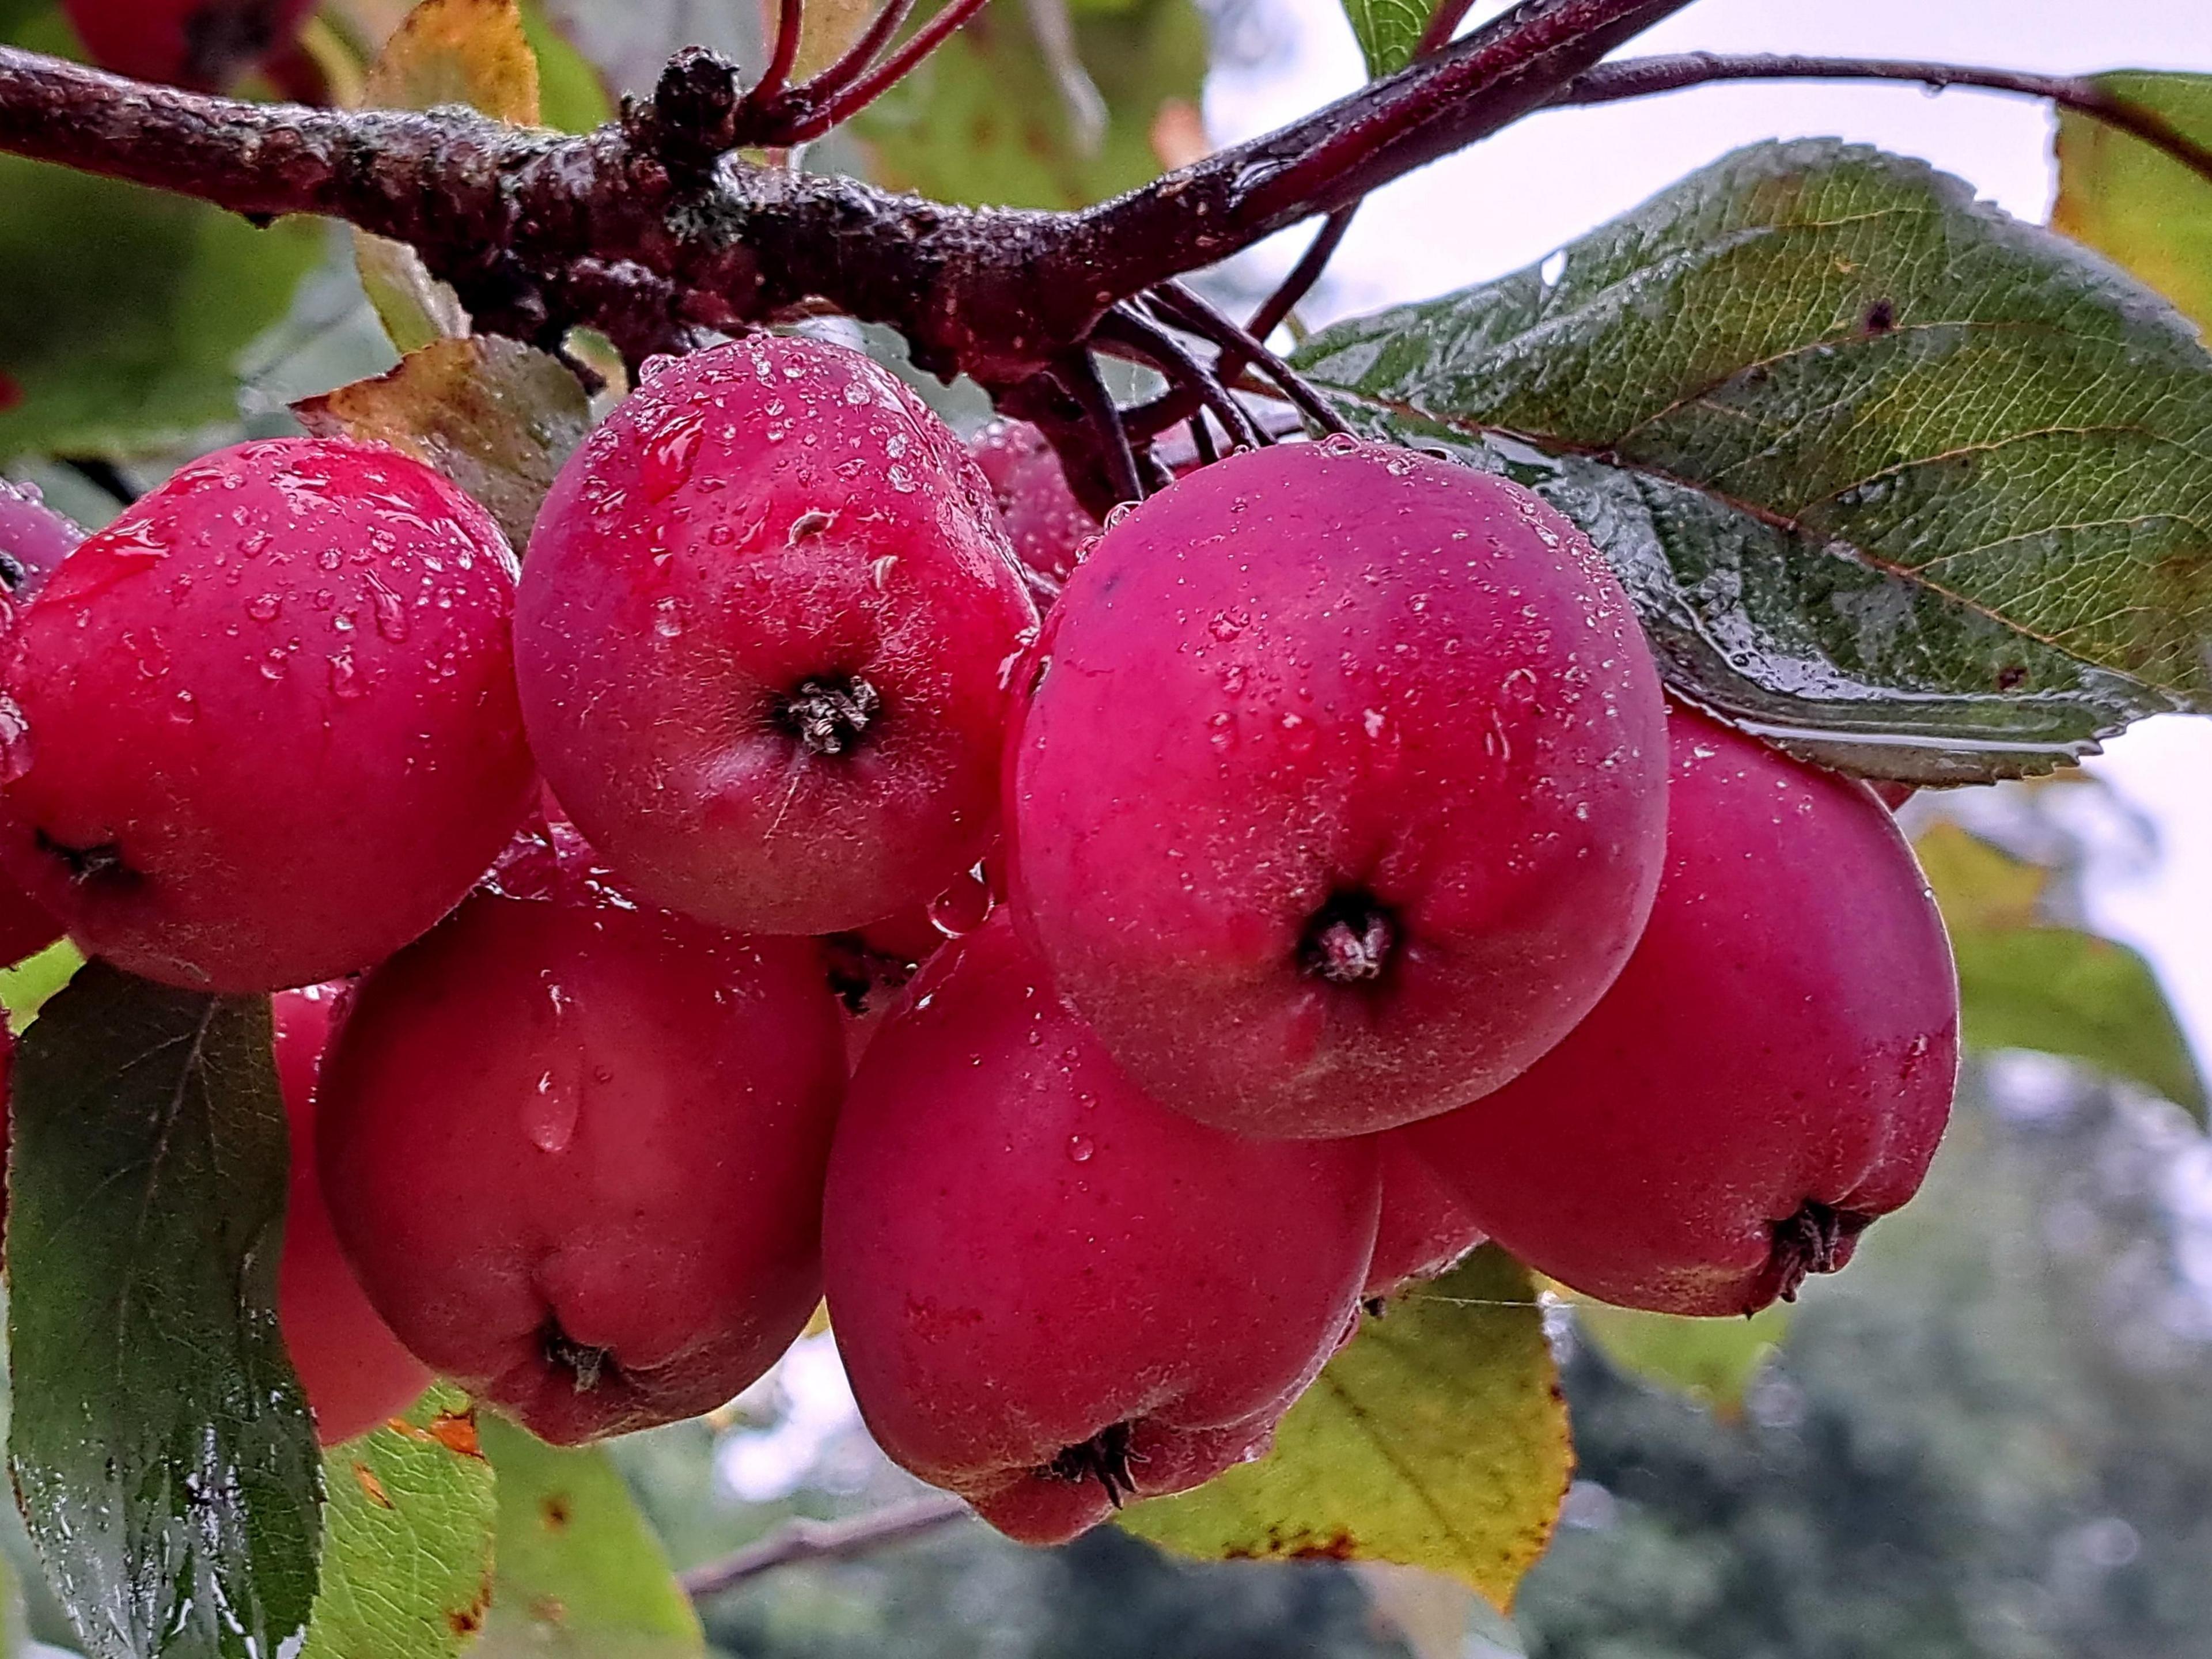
[1425,1225]
[1047,527]
[1342,794]
[765,637]
[573,1147]
[354,1369]
[1771,1072]
[264,727]
[1049,1292]
[204,44]
[34,540]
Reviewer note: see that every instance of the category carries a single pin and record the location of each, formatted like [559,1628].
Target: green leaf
[28,986]
[1712,1360]
[495,416]
[2130,201]
[571,96]
[2055,990]
[447,51]
[1911,487]
[1388,31]
[161,1446]
[579,1572]
[128,310]
[990,118]
[1437,1439]
[407,1552]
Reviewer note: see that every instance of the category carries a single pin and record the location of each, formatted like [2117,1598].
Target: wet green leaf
[2138,206]
[161,1446]
[579,1574]
[1437,1439]
[1907,485]
[2023,984]
[407,1553]
[995,116]
[1712,1360]
[495,416]
[1387,30]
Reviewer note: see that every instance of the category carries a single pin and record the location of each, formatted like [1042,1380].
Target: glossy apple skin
[1023,1252]
[1425,1225]
[1045,525]
[1787,1033]
[573,1147]
[34,541]
[356,1374]
[204,45]
[757,517]
[262,730]
[1317,672]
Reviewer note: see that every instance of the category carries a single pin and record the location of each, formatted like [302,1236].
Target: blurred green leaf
[990,118]
[571,96]
[1437,1439]
[495,416]
[162,1449]
[407,1556]
[1903,484]
[1388,31]
[1713,1359]
[447,51]
[579,1574]
[2055,990]
[128,310]
[2128,201]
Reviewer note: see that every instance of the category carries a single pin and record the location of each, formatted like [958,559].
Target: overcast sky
[1511,201]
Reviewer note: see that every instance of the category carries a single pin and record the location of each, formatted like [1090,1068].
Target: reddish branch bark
[645,230]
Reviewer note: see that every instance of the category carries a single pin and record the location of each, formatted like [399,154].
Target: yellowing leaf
[1979,885]
[2135,205]
[1438,1439]
[458,51]
[447,51]
[495,416]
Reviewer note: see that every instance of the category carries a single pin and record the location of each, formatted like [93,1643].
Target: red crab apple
[204,44]
[573,1147]
[1771,1072]
[354,1369]
[262,730]
[1050,1292]
[1047,527]
[1341,796]
[1425,1226]
[34,541]
[765,637]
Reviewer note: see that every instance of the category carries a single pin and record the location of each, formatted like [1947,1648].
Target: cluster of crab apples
[1102,962]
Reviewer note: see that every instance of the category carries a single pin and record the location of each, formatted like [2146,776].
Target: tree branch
[824,1540]
[1640,77]
[534,229]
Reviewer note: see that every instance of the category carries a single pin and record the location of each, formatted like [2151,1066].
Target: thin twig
[1296,286]
[844,105]
[1157,349]
[824,1540]
[1202,440]
[790,25]
[1443,23]
[853,61]
[1640,77]
[1078,372]
[1188,311]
